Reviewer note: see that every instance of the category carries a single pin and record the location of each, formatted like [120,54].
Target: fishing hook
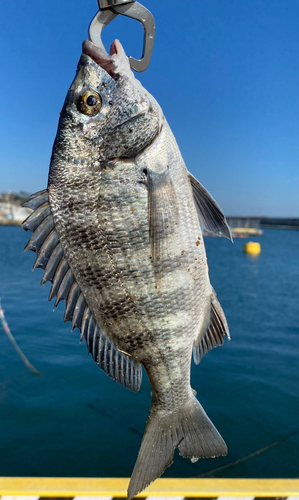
[109,10]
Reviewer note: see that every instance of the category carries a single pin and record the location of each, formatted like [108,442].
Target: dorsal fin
[210,215]
[45,243]
[214,335]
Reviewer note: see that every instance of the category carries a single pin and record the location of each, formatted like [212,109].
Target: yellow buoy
[252,248]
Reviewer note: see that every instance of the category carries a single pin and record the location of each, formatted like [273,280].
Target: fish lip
[93,51]
[100,56]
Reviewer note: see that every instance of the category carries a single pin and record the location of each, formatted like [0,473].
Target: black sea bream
[118,233]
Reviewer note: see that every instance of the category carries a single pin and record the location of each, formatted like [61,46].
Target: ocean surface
[74,421]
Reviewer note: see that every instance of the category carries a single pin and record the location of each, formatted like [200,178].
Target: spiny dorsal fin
[45,243]
[210,215]
[214,335]
[116,364]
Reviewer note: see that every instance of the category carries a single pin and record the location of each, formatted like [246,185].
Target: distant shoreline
[10,222]
[265,224]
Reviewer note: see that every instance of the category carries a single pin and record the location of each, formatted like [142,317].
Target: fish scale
[105,222]
[118,233]
[104,273]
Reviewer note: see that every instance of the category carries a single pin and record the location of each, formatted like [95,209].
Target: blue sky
[225,72]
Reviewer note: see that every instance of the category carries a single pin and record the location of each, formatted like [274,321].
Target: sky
[225,72]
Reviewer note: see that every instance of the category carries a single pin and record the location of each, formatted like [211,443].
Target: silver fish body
[118,232]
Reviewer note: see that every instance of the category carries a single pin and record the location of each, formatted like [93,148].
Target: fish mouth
[109,62]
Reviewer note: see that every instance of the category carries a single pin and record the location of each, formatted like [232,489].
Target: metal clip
[109,9]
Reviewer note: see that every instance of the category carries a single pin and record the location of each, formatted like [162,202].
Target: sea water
[74,421]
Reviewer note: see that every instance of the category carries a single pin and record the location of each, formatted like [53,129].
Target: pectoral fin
[210,215]
[214,335]
[163,213]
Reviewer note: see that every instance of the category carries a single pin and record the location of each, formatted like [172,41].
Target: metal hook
[109,9]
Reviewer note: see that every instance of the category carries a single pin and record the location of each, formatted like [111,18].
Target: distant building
[12,211]
[260,222]
[244,221]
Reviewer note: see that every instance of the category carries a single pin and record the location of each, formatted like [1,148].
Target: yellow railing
[117,487]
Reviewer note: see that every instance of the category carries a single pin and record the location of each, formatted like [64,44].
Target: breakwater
[263,222]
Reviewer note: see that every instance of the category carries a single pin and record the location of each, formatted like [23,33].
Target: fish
[118,233]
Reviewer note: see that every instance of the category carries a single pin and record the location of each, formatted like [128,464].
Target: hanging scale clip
[109,9]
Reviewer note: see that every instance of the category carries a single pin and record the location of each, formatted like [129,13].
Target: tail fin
[188,429]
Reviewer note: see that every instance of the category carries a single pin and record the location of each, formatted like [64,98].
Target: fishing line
[17,348]
[258,452]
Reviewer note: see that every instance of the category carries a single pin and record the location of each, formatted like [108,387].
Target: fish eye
[89,103]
